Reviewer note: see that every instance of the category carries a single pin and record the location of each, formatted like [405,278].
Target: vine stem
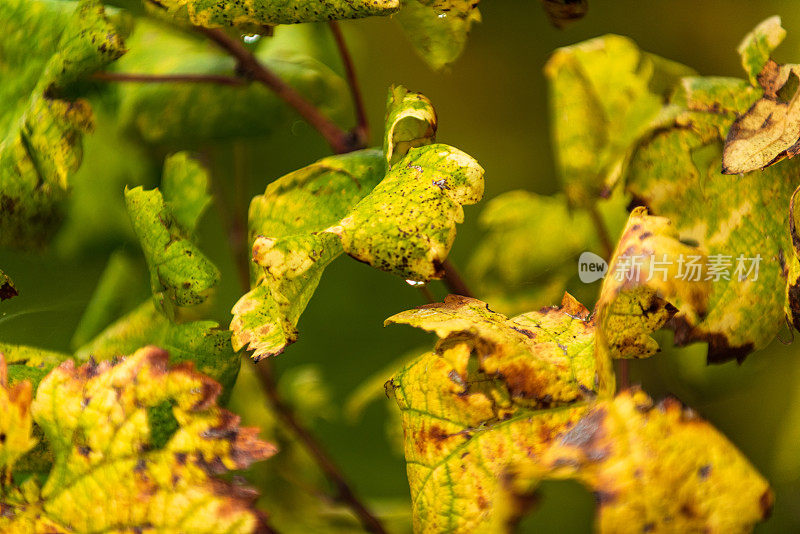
[453,280]
[344,492]
[361,131]
[168,78]
[339,140]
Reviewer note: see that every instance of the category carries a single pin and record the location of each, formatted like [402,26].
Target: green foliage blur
[493,105]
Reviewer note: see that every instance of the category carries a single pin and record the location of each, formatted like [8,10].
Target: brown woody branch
[339,140]
[362,123]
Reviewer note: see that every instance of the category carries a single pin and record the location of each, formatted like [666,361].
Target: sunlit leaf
[40,124]
[401,221]
[486,404]
[410,123]
[204,343]
[650,281]
[15,422]
[29,363]
[252,14]
[660,468]
[265,319]
[109,473]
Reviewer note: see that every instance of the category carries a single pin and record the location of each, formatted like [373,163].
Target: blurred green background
[493,105]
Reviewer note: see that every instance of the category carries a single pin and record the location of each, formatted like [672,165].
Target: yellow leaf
[650,280]
[15,420]
[114,473]
[660,468]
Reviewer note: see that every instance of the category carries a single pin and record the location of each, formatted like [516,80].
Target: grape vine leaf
[41,126]
[491,398]
[438,29]
[28,363]
[652,278]
[16,424]
[739,220]
[110,475]
[180,274]
[204,343]
[605,95]
[253,15]
[265,318]
[401,220]
[660,468]
[501,404]
[770,130]
[7,289]
[168,113]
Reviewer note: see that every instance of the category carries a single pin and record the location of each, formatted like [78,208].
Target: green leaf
[407,224]
[7,289]
[180,275]
[40,125]
[203,343]
[438,29]
[757,46]
[605,96]
[187,114]
[489,401]
[292,212]
[400,221]
[109,472]
[252,15]
[185,189]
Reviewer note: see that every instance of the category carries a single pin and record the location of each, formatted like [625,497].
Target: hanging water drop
[251,38]
[415,283]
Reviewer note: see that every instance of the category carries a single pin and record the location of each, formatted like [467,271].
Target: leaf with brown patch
[113,473]
[486,404]
[660,468]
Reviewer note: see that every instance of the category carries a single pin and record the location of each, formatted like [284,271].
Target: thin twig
[624,374]
[168,78]
[249,66]
[426,294]
[344,492]
[602,232]
[453,280]
[362,125]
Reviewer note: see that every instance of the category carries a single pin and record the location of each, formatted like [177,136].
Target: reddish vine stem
[362,123]
[286,414]
[168,78]
[339,140]
[453,281]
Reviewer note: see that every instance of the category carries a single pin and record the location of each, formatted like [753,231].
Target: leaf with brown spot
[16,423]
[486,404]
[396,210]
[644,287]
[109,472]
[660,468]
